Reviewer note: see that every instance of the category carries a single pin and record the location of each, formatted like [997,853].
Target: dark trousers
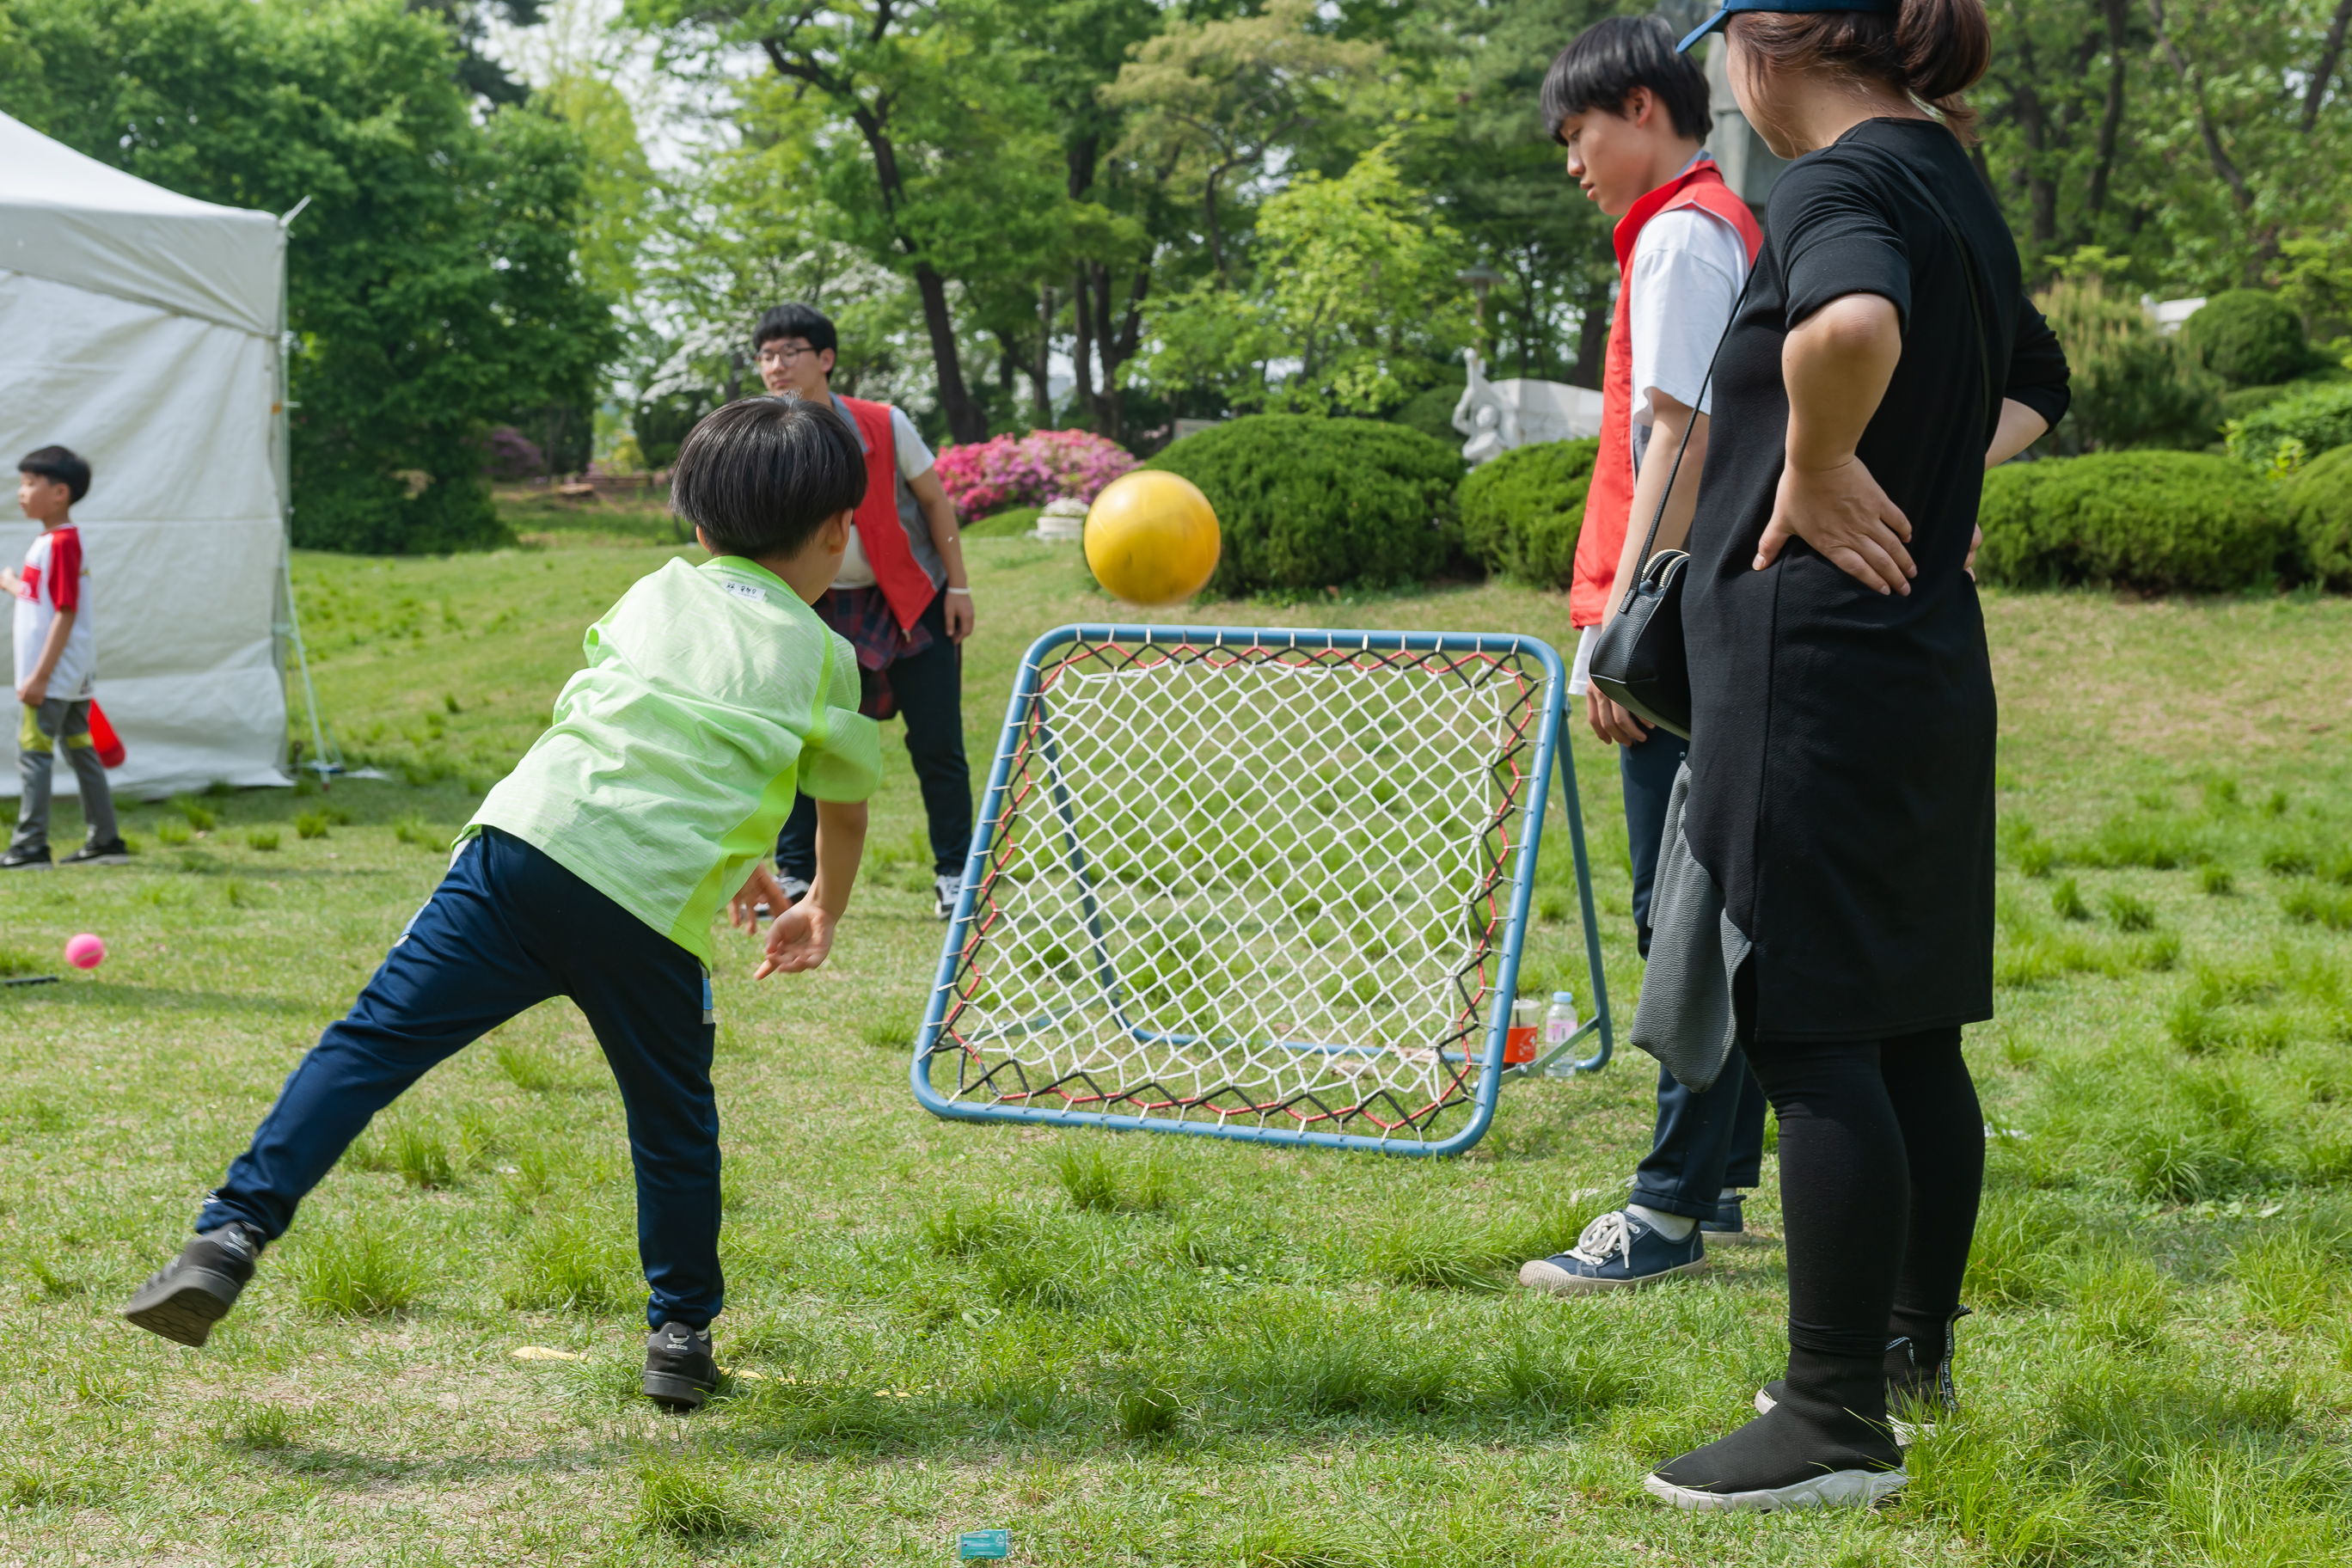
[1881,1163]
[1703,1142]
[929,687]
[507,929]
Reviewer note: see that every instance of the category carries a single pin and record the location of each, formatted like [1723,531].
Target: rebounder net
[1268,884]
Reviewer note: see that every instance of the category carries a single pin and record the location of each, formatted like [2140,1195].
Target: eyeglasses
[774,355]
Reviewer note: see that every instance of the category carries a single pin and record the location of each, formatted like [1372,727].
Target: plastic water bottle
[1559,1028]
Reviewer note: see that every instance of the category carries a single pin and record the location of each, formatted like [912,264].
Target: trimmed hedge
[2319,507]
[2248,338]
[1306,502]
[2319,415]
[1521,511]
[2165,521]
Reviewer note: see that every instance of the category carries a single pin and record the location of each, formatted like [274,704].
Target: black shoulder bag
[1640,662]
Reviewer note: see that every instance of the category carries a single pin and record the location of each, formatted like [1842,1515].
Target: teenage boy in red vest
[1632,114]
[902,599]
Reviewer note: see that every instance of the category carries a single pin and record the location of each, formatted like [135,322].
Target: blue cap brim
[1702,29]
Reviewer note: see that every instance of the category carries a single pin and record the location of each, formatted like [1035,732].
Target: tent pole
[321,762]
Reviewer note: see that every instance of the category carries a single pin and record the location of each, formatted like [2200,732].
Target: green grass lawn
[1164,1351]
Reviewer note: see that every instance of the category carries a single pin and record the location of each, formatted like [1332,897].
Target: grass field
[1145,1351]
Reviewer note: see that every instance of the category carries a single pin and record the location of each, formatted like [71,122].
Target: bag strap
[1976,306]
[1683,445]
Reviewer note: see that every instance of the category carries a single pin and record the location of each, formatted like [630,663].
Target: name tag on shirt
[751,591]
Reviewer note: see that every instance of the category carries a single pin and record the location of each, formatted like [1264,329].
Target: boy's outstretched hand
[798,940]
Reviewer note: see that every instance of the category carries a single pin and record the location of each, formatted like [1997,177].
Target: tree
[433,282]
[1355,282]
[1213,101]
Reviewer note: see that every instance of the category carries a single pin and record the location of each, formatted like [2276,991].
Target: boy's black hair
[59,466]
[761,474]
[796,319]
[1609,59]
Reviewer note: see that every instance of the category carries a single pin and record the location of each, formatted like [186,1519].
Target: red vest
[881,533]
[1610,502]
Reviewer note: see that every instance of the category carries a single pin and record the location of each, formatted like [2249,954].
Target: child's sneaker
[1616,1251]
[950,892]
[113,852]
[680,1371]
[182,1299]
[1726,1221]
[26,859]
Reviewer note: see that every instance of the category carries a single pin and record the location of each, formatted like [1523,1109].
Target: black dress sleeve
[1832,225]
[2038,377]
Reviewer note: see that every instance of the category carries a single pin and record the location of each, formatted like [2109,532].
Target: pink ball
[85,952]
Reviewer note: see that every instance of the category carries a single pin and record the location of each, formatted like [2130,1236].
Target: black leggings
[1882,1159]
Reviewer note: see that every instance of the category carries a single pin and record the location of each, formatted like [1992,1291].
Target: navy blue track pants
[507,929]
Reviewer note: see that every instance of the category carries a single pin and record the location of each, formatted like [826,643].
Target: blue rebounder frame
[1550,746]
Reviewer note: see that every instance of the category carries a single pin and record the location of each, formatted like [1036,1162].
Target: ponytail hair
[1933,50]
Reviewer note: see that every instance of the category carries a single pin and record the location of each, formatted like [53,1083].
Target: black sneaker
[680,1371]
[1725,1221]
[26,859]
[1913,1390]
[113,852]
[182,1299]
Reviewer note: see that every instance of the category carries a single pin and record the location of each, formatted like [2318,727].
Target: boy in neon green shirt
[713,696]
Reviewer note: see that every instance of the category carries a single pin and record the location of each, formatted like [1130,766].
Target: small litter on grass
[978,1545]
[542,1353]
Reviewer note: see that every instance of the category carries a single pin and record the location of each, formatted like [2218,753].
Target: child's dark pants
[507,929]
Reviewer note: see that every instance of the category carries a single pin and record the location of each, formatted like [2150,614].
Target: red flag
[102,736]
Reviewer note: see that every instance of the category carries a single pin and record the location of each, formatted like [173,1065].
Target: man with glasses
[902,599]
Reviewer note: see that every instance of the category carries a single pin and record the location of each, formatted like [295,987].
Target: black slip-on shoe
[26,859]
[113,852]
[182,1299]
[680,1371]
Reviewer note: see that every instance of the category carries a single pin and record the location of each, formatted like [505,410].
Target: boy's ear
[1640,105]
[836,529]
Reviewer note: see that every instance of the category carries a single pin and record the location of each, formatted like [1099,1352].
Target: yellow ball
[1152,537]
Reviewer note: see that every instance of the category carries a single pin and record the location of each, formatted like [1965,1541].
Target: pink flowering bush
[1029,470]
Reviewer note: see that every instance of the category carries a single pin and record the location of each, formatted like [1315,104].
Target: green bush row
[1307,503]
[2166,522]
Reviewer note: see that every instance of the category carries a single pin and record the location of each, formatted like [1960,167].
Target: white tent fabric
[141,330]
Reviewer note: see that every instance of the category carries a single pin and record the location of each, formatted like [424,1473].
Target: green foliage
[2133,386]
[2319,507]
[1307,503]
[678,1499]
[2162,521]
[434,284]
[1521,511]
[1355,281]
[2315,420]
[1106,1183]
[1430,411]
[2248,337]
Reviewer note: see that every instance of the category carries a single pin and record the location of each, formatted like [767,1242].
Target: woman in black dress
[1841,746]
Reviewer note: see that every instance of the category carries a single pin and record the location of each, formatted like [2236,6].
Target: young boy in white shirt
[57,668]
[1632,113]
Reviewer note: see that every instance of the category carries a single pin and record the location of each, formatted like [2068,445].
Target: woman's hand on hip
[1841,511]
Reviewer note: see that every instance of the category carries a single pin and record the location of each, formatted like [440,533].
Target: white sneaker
[950,891]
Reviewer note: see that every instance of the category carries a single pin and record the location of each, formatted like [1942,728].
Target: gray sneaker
[680,1371]
[949,892]
[182,1299]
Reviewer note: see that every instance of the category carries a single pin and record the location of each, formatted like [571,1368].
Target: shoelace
[1609,1233]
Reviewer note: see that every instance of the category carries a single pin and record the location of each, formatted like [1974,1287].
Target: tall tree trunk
[966,422]
[1041,371]
[2111,116]
[1082,351]
[2033,122]
[1117,347]
[2331,55]
[1591,340]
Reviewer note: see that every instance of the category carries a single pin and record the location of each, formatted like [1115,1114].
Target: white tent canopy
[140,327]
